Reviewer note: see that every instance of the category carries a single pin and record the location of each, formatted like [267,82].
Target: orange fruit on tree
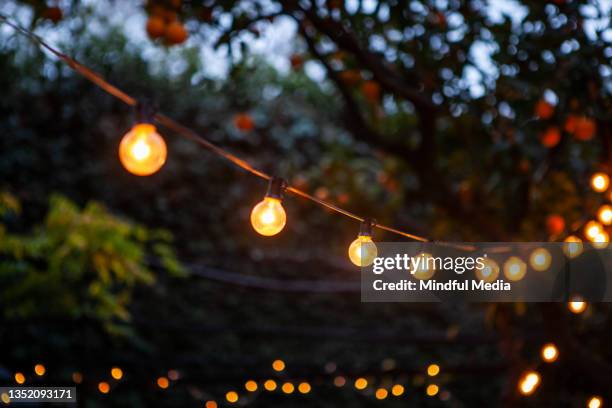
[544,110]
[551,137]
[584,128]
[371,90]
[555,224]
[176,33]
[244,122]
[156,27]
[53,13]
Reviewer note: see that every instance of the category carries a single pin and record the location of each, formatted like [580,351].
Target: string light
[397,390]
[268,217]
[339,381]
[77,377]
[4,397]
[426,268]
[278,365]
[601,240]
[116,373]
[515,268]
[103,387]
[600,182]
[361,383]
[432,390]
[592,229]
[362,250]
[381,394]
[489,272]
[142,150]
[288,388]
[540,259]
[210,404]
[604,214]
[577,305]
[304,388]
[433,370]
[163,383]
[529,382]
[550,353]
[19,378]
[40,370]
[250,386]
[573,246]
[231,397]
[270,385]
[173,375]
[595,402]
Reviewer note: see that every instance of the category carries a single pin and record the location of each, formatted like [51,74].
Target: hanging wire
[192,135]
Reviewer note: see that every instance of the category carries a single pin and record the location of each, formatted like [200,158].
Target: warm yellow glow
[490,272]
[4,397]
[103,387]
[515,268]
[577,306]
[592,229]
[268,217]
[397,390]
[362,251]
[278,365]
[40,369]
[381,394]
[210,404]
[600,182]
[550,353]
[142,150]
[270,385]
[540,259]
[163,383]
[288,388]
[231,396]
[304,388]
[19,378]
[339,381]
[573,246]
[601,240]
[432,389]
[426,267]
[361,383]
[595,402]
[250,386]
[604,214]
[433,370]
[529,382]
[77,377]
[116,373]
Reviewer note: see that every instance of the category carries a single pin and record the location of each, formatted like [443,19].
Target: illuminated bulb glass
[362,251]
[304,388]
[577,305]
[426,268]
[604,214]
[515,268]
[600,182]
[433,370]
[601,240]
[250,386]
[529,382]
[361,383]
[573,246]
[595,402]
[40,370]
[381,394]
[231,396]
[490,272]
[540,259]
[397,390]
[288,388]
[270,385]
[268,217]
[550,353]
[19,378]
[432,389]
[592,229]
[142,150]
[116,373]
[278,365]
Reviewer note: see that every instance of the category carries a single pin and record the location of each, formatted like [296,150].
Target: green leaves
[78,263]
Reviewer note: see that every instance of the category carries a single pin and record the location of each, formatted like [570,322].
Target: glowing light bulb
[381,394]
[604,214]
[288,388]
[577,305]
[268,217]
[540,259]
[432,390]
[270,385]
[361,383]
[19,378]
[550,353]
[600,182]
[433,370]
[278,365]
[362,250]
[250,386]
[515,268]
[231,397]
[529,382]
[592,229]
[116,373]
[595,402]
[601,240]
[426,268]
[142,150]
[304,388]
[489,272]
[40,370]
[397,390]
[573,246]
